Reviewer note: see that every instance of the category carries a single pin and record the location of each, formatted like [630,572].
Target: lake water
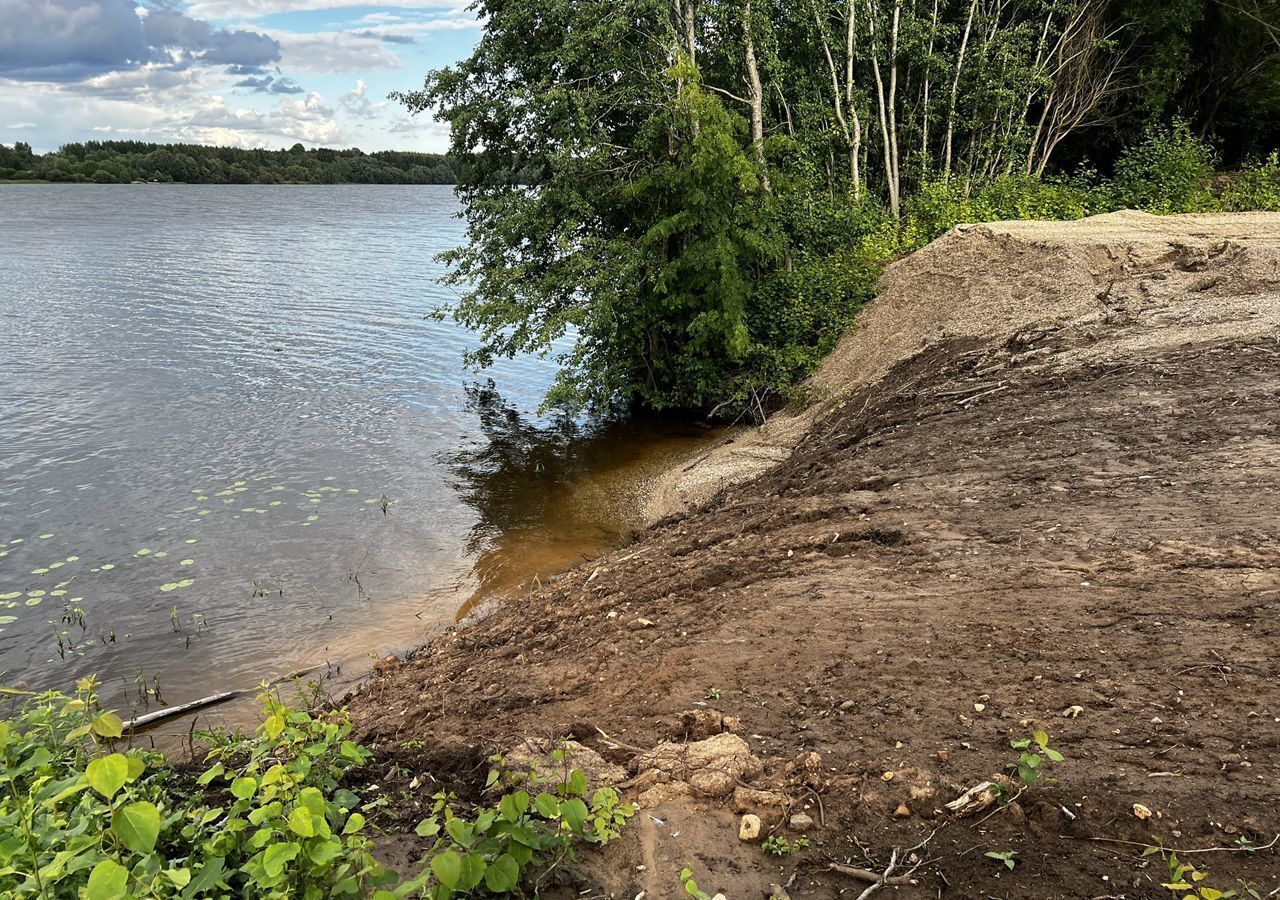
[232,445]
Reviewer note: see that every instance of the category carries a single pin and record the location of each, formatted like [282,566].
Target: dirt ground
[1074,527]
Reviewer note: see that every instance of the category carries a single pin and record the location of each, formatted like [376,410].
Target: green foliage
[533,829]
[1187,881]
[778,845]
[1167,172]
[1006,858]
[941,205]
[702,250]
[1256,187]
[267,817]
[109,162]
[690,886]
[1034,756]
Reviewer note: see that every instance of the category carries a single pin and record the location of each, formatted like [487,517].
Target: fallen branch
[880,879]
[171,712]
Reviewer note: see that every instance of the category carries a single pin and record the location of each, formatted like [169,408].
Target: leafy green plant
[524,837]
[778,845]
[267,818]
[1006,858]
[691,887]
[1167,172]
[1034,753]
[1189,882]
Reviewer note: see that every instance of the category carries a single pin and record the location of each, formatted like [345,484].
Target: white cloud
[22,125]
[357,103]
[212,121]
[333,52]
[252,9]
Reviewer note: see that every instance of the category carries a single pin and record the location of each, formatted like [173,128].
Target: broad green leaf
[354,824]
[574,812]
[107,774]
[460,831]
[108,725]
[137,825]
[244,787]
[503,874]
[300,822]
[210,774]
[547,806]
[447,867]
[277,856]
[473,868]
[107,881]
[513,806]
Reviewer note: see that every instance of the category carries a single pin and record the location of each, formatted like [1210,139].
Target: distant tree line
[113,162]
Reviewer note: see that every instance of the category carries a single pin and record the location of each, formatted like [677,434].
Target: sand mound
[1124,281]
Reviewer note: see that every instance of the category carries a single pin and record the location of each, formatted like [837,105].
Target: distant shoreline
[129,162]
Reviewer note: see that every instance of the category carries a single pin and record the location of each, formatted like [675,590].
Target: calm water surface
[232,446]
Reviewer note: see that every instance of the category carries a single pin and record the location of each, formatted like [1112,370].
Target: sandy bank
[1040,485]
[995,281]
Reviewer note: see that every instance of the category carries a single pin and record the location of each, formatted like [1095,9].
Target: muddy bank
[1039,487]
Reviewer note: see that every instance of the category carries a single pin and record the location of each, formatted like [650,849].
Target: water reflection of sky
[248,368]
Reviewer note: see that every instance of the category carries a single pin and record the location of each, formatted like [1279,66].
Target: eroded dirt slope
[994,527]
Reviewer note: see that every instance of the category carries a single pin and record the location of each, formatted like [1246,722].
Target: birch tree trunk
[756,97]
[955,88]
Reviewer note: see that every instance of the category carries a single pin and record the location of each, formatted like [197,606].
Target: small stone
[944,756]
[979,707]
[848,705]
[903,811]
[800,822]
[1072,712]
[644,623]
[749,828]
[1142,812]
[887,776]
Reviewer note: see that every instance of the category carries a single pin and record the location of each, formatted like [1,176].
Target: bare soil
[1083,511]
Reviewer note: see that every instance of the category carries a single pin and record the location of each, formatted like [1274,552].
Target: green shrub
[941,205]
[269,816]
[1257,187]
[1167,172]
[267,819]
[530,833]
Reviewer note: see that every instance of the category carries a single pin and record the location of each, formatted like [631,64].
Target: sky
[245,73]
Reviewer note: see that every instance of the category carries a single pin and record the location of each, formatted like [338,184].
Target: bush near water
[271,815]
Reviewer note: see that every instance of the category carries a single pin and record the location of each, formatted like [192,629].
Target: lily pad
[108,567]
[12,595]
[73,559]
[161,555]
[34,601]
[203,512]
[5,620]
[169,586]
[187,562]
[191,541]
[35,593]
[40,571]
[45,537]
[143,552]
